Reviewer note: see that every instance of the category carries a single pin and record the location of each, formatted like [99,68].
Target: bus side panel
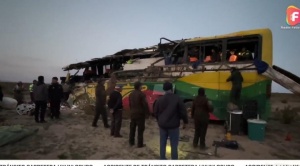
[218,90]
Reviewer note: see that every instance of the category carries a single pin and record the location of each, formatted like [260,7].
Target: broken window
[243,49]
[211,52]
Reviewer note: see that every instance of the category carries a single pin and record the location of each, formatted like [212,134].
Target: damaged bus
[189,64]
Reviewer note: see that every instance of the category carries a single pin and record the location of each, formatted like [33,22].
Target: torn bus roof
[152,50]
[123,53]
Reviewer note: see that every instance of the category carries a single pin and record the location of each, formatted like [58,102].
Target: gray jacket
[40,92]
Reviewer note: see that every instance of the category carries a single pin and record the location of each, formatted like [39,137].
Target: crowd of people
[169,110]
[42,94]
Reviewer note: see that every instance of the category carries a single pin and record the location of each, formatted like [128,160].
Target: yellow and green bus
[202,62]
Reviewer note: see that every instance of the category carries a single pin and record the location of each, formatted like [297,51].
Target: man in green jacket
[236,78]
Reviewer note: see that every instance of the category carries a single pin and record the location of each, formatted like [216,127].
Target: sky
[39,37]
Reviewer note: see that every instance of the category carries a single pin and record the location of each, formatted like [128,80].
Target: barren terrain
[72,137]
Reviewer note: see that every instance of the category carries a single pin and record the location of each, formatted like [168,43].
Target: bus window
[212,52]
[242,49]
[193,54]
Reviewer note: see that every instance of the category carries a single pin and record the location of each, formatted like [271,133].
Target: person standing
[237,79]
[200,114]
[55,92]
[18,92]
[138,111]
[40,92]
[169,110]
[1,93]
[66,89]
[115,106]
[100,104]
[31,90]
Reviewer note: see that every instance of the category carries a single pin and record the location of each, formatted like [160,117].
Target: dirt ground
[72,137]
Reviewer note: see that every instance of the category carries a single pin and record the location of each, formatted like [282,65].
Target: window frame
[224,42]
[245,39]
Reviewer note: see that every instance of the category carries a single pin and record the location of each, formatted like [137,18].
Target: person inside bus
[168,58]
[213,57]
[116,64]
[233,57]
[245,54]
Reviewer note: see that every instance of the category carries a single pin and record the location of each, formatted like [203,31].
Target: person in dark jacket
[100,104]
[200,113]
[18,93]
[1,94]
[169,110]
[40,92]
[237,79]
[55,92]
[115,105]
[138,111]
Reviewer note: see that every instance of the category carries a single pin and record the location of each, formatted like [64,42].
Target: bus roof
[235,34]
[153,49]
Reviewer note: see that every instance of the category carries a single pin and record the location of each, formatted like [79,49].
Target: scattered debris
[12,134]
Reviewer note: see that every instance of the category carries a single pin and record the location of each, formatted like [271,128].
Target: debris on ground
[12,134]
[8,103]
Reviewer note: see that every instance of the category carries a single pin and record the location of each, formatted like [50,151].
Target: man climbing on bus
[236,78]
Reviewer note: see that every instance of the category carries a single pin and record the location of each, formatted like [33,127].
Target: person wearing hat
[138,111]
[100,104]
[169,110]
[200,113]
[55,92]
[40,92]
[237,79]
[115,105]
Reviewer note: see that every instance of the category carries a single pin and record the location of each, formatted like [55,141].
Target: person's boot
[203,147]
[94,125]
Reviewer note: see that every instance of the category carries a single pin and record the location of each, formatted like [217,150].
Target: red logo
[292,15]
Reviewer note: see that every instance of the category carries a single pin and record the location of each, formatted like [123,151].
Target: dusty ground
[72,137]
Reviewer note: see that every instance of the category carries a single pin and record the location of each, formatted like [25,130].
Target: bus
[202,62]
